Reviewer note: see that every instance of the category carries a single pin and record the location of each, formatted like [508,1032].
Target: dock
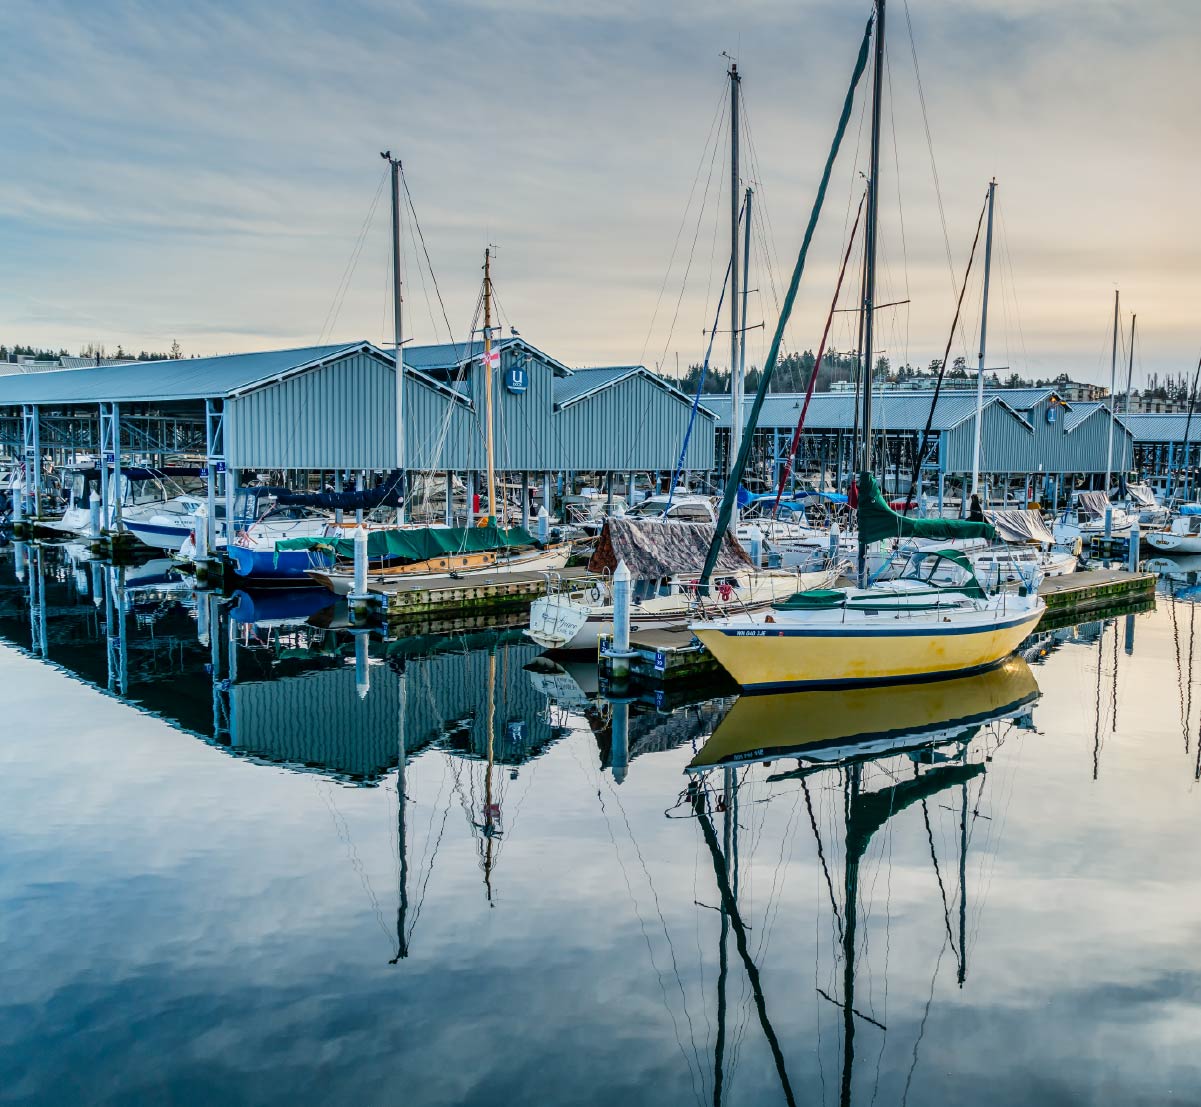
[478,595]
[672,656]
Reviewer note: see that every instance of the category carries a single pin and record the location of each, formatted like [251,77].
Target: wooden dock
[672,656]
[477,595]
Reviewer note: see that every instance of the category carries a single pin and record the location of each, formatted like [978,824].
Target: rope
[731,492]
[786,472]
[920,453]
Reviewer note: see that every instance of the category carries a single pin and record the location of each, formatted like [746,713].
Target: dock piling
[620,655]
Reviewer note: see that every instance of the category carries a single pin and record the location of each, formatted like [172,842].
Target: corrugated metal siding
[632,425]
[344,734]
[1005,443]
[525,438]
[339,415]
[426,444]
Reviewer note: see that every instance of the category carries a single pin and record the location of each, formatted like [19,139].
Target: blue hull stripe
[777,630]
[916,678]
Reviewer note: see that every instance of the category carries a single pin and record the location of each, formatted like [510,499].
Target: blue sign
[109,459]
[220,466]
[204,472]
[517,379]
[515,733]
[1052,413]
[660,661]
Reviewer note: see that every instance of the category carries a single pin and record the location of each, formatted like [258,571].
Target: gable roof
[184,378]
[445,356]
[590,380]
[1163,426]
[892,410]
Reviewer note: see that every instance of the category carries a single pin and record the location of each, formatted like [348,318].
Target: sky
[210,174]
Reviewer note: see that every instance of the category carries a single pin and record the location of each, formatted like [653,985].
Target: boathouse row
[324,408]
[1026,432]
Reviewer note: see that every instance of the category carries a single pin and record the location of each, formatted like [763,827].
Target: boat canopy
[1141,495]
[416,543]
[1095,503]
[388,493]
[878,521]
[653,549]
[1017,527]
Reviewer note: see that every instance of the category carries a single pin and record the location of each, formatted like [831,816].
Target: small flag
[491,359]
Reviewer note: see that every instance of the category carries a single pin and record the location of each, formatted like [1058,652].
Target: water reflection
[808,922]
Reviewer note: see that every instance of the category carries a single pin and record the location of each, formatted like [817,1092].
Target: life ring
[597,595]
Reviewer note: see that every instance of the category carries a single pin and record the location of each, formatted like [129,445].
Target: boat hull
[159,536]
[770,656]
[1168,542]
[271,566]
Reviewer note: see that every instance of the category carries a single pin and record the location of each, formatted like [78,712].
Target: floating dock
[668,657]
[480,594]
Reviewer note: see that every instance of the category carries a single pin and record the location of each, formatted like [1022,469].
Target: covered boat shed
[335,408]
[1028,432]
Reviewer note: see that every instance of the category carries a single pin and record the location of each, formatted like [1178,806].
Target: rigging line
[1184,722]
[692,249]
[786,469]
[920,453]
[352,262]
[428,873]
[922,1028]
[425,292]
[429,264]
[718,114]
[1188,689]
[942,890]
[659,911]
[821,855]
[921,94]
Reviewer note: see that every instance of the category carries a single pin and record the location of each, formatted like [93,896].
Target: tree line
[38,353]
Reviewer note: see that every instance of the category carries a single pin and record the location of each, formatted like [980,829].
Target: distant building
[24,363]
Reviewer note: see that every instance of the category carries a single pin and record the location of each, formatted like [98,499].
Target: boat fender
[725,589]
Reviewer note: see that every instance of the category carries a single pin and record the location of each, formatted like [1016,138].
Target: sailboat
[411,554]
[935,619]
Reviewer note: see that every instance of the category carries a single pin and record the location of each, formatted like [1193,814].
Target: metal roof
[836,410]
[450,355]
[590,380]
[1023,399]
[1163,427]
[184,378]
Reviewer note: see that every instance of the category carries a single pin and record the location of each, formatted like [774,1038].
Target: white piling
[755,537]
[619,746]
[543,525]
[835,535]
[19,560]
[1132,552]
[200,541]
[94,514]
[1108,523]
[18,490]
[620,658]
[362,674]
[360,562]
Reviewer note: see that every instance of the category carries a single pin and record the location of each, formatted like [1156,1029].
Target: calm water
[212,892]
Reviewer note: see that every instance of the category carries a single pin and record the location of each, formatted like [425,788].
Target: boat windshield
[943,568]
[648,509]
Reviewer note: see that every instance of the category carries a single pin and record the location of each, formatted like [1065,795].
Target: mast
[1113,404]
[992,189]
[490,429]
[402,910]
[398,330]
[873,214]
[736,379]
[962,974]
[1130,367]
[1188,423]
[746,275]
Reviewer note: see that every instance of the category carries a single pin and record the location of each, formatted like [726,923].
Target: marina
[625,554]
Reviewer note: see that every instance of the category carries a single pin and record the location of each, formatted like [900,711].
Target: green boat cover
[878,521]
[815,599]
[417,543]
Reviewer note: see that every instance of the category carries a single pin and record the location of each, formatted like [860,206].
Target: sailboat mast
[873,212]
[398,331]
[489,419]
[1113,380]
[736,380]
[1130,366]
[992,190]
[962,974]
[746,275]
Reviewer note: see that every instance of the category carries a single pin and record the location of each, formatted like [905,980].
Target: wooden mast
[489,415]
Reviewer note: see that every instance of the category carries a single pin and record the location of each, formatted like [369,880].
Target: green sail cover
[418,543]
[878,521]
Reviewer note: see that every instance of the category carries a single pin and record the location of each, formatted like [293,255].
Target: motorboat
[1183,536]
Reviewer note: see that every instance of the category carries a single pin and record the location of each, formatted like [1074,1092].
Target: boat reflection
[919,742]
[828,725]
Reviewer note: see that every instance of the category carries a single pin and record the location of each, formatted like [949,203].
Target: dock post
[471,499]
[1132,551]
[362,673]
[619,740]
[94,514]
[360,562]
[755,536]
[835,535]
[525,500]
[620,657]
[1108,523]
[200,543]
[546,493]
[18,490]
[543,525]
